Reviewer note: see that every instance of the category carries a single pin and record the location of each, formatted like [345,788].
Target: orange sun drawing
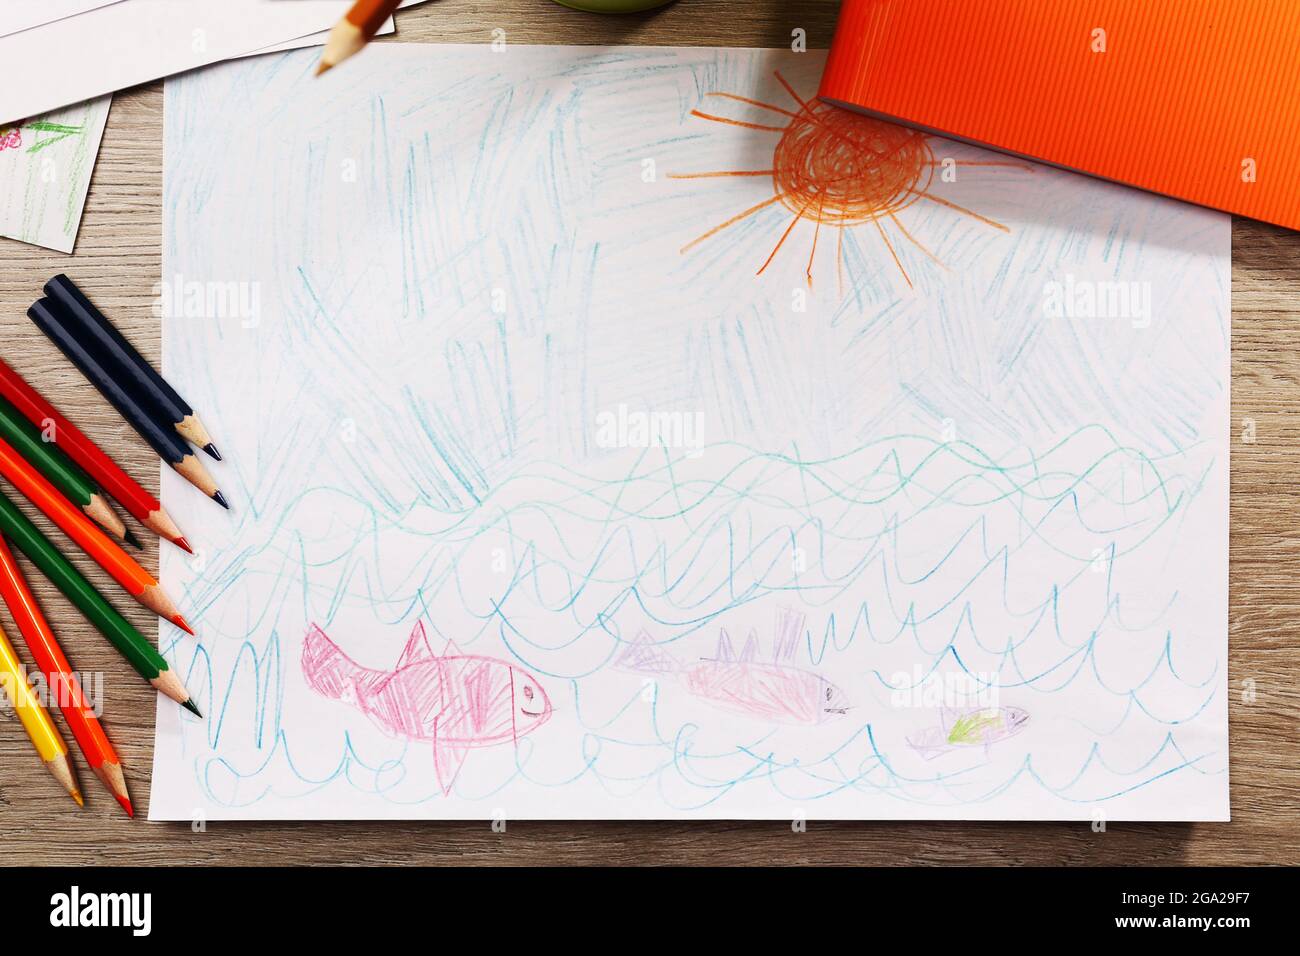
[841,169]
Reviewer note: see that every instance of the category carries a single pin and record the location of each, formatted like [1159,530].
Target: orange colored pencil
[125,570]
[355,30]
[49,657]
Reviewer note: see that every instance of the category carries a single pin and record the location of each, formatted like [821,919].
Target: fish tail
[644,656]
[327,669]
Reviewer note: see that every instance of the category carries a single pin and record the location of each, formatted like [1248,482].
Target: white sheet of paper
[316,39]
[45,169]
[580,469]
[19,15]
[68,61]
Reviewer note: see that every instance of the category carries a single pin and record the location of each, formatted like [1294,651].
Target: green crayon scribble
[61,132]
[971,728]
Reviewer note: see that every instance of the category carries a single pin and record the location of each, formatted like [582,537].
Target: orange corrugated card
[1197,99]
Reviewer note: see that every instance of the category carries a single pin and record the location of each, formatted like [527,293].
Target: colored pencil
[355,30]
[36,719]
[123,568]
[130,643]
[49,657]
[98,334]
[164,441]
[141,505]
[62,472]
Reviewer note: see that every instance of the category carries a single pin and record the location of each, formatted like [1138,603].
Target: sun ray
[760,103]
[781,241]
[793,95]
[731,122]
[725,172]
[962,209]
[817,230]
[733,220]
[903,229]
[890,245]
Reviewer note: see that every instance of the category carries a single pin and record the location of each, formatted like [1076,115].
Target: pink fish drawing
[773,690]
[963,729]
[457,702]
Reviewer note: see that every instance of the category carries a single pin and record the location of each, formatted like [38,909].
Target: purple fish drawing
[975,727]
[456,702]
[774,690]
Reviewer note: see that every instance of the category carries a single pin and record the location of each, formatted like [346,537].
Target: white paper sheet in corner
[69,61]
[19,15]
[45,168]
[606,437]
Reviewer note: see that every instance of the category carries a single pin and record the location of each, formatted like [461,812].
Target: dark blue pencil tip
[132,540]
[211,449]
[220,499]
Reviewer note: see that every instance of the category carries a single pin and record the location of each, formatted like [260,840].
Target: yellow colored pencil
[36,719]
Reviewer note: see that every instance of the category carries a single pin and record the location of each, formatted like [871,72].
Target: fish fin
[725,651]
[789,628]
[749,653]
[450,649]
[646,657]
[417,647]
[448,758]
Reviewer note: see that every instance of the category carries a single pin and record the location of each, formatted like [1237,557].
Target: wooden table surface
[119,250]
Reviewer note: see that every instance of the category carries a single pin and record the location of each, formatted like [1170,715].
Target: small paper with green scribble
[45,168]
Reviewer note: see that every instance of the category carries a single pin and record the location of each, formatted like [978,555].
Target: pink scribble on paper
[11,138]
[456,702]
[774,690]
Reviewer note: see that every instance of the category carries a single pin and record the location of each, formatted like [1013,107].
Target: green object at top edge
[613,6]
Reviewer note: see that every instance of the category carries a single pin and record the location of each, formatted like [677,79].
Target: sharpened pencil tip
[211,449]
[322,67]
[184,625]
[190,706]
[129,537]
[81,801]
[220,499]
[126,805]
[183,545]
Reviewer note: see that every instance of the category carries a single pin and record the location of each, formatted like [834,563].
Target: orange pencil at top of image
[123,568]
[354,31]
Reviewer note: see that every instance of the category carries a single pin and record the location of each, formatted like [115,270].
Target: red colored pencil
[123,568]
[143,506]
[61,681]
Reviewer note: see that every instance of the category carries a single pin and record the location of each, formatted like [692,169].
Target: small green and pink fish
[962,729]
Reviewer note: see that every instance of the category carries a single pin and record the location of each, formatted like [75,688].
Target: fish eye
[828,693]
[528,693]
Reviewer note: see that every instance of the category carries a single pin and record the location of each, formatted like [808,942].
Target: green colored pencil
[62,471]
[130,643]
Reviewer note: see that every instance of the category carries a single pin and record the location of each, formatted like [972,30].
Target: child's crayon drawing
[622,433]
[457,703]
[841,169]
[45,167]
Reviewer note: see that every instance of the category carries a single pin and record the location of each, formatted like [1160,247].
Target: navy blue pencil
[50,319]
[114,352]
